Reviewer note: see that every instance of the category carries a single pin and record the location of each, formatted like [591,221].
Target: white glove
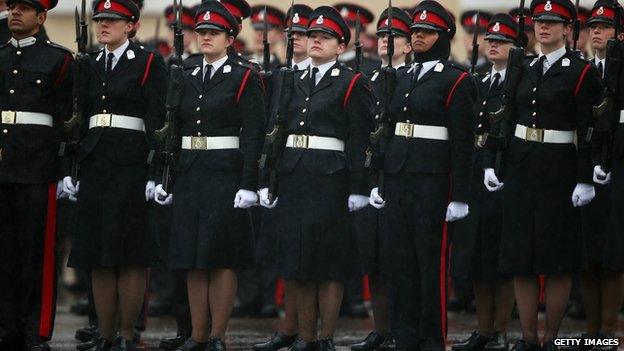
[70,189]
[161,197]
[375,200]
[149,190]
[490,180]
[264,199]
[245,199]
[456,210]
[357,202]
[583,194]
[600,177]
[60,194]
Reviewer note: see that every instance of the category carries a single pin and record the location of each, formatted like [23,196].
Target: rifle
[500,119]
[358,43]
[577,30]
[266,51]
[174,95]
[274,141]
[380,136]
[73,127]
[475,44]
[605,113]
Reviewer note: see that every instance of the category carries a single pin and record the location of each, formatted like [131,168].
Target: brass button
[534,89]
[103,111]
[18,52]
[533,102]
[405,108]
[307,99]
[38,81]
[200,96]
[534,114]
[407,95]
[103,97]
[198,108]
[5,131]
[304,110]
[301,123]
[484,103]
[103,84]
[198,133]
[11,91]
[480,113]
[15,71]
[198,122]
[376,116]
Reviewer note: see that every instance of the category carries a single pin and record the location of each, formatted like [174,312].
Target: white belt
[622,116]
[108,120]
[544,135]
[21,117]
[314,142]
[410,130]
[209,143]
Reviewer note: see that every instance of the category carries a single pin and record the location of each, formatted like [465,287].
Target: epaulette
[241,61]
[4,44]
[58,46]
[531,57]
[456,66]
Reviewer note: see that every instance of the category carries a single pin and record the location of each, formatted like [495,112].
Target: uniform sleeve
[587,96]
[359,110]
[63,88]
[462,117]
[155,92]
[252,111]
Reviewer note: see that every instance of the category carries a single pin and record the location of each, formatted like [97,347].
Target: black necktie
[601,69]
[207,75]
[417,70]
[495,82]
[539,66]
[315,71]
[109,62]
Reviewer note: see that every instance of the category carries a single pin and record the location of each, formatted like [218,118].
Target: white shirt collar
[553,57]
[502,73]
[4,14]
[22,43]
[322,69]
[303,65]
[215,65]
[117,52]
[426,67]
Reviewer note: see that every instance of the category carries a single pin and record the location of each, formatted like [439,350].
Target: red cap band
[500,28]
[469,22]
[328,24]
[298,20]
[45,4]
[603,12]
[549,7]
[271,19]
[235,11]
[396,23]
[431,18]
[114,7]
[185,18]
[352,16]
[213,18]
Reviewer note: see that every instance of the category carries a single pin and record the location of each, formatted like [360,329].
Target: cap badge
[600,11]
[423,15]
[296,18]
[107,4]
[474,19]
[496,27]
[344,12]
[548,6]
[320,20]
[386,23]
[207,16]
[261,15]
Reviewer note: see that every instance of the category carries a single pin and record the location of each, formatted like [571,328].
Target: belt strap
[314,142]
[410,130]
[209,143]
[22,117]
[109,120]
[544,135]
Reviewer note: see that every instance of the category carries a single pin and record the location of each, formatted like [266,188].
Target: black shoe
[549,346]
[580,347]
[498,342]
[388,345]
[475,342]
[268,311]
[278,341]
[87,333]
[216,344]
[102,345]
[171,344]
[122,344]
[192,345]
[370,343]
[326,345]
[37,345]
[88,345]
[522,345]
[302,345]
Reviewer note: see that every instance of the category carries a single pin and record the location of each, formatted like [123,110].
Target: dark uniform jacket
[34,78]
[368,65]
[231,105]
[444,96]
[563,101]
[136,87]
[325,112]
[5,34]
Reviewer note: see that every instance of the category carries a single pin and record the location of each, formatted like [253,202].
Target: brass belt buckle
[406,130]
[301,141]
[9,117]
[535,134]
[199,143]
[104,120]
[480,140]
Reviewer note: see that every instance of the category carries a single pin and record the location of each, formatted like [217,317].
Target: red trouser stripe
[280,288]
[443,254]
[46,319]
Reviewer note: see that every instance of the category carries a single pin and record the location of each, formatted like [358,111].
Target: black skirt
[207,232]
[595,218]
[315,235]
[614,242]
[112,216]
[541,228]
[368,238]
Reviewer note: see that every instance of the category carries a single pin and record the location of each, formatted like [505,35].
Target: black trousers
[413,225]
[28,269]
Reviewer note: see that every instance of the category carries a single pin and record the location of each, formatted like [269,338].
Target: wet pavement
[245,332]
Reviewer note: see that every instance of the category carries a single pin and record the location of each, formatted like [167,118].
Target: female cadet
[220,125]
[125,86]
[476,240]
[427,166]
[548,177]
[321,176]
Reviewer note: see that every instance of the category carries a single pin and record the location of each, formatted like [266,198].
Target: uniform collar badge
[335,72]
[439,67]
[195,71]
[130,54]
[375,76]
[22,43]
[565,62]
[227,69]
